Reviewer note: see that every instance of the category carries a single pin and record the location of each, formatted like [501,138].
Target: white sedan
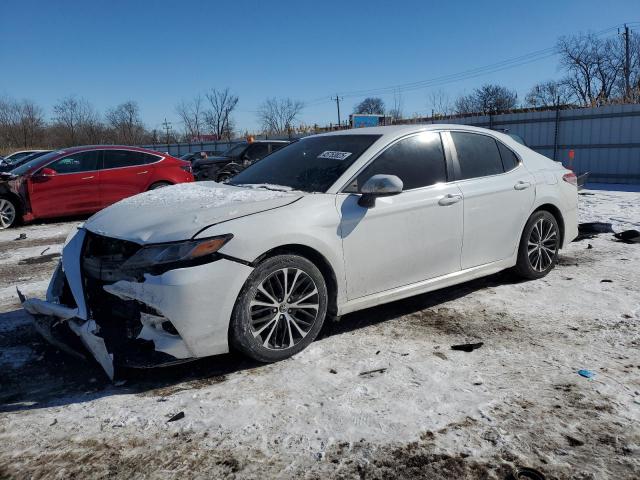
[328,225]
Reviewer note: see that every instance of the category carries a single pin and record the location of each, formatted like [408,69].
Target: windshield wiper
[266,186]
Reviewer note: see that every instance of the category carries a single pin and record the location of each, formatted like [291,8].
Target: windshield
[235,150]
[186,156]
[27,166]
[312,165]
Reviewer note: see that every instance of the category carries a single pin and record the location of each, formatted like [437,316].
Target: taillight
[570,178]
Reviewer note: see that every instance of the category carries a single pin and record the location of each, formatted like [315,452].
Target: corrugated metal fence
[605,140]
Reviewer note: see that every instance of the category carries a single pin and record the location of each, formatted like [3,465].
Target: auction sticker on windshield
[331,155]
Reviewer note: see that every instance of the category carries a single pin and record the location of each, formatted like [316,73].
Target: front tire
[8,213]
[538,250]
[280,309]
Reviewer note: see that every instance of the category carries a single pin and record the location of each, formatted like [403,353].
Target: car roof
[271,141]
[395,131]
[109,147]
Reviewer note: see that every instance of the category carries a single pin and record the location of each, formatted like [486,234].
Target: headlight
[159,258]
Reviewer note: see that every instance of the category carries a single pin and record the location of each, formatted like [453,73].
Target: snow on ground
[379,395]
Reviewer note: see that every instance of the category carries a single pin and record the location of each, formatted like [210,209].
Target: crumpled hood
[180,211]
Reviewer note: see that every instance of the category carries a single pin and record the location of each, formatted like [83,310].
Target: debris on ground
[44,251]
[606,280]
[525,473]
[628,236]
[586,373]
[333,370]
[177,416]
[589,230]
[467,347]
[370,373]
[22,236]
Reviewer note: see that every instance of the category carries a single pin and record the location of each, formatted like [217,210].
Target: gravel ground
[379,395]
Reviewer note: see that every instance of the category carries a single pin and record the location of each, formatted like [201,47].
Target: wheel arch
[557,214]
[17,201]
[318,259]
[160,182]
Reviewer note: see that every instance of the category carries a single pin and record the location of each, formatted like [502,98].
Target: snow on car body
[328,225]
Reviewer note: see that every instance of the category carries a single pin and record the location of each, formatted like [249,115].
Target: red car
[83,180]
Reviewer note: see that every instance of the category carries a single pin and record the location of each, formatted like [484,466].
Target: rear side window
[76,163]
[478,155]
[509,159]
[417,160]
[127,158]
[277,146]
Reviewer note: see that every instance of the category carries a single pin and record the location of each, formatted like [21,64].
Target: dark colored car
[83,180]
[192,156]
[234,160]
[9,164]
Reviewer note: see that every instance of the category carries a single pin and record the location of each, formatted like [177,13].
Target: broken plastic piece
[177,416]
[467,347]
[586,373]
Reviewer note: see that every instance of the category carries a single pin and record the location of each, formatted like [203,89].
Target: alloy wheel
[542,245]
[7,213]
[284,308]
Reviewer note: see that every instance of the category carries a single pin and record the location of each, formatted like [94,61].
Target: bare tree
[370,105]
[126,124]
[76,121]
[222,103]
[488,98]
[549,94]
[439,102]
[278,115]
[21,122]
[594,67]
[192,116]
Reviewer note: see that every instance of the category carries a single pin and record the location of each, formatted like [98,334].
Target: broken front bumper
[178,315]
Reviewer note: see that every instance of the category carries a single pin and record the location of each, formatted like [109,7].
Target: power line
[459,76]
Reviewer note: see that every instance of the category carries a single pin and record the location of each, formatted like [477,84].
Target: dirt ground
[379,395]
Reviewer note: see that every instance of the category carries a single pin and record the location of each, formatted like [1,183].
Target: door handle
[522,185]
[88,178]
[142,173]
[449,199]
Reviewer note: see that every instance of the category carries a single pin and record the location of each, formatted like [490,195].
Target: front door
[71,188]
[409,237]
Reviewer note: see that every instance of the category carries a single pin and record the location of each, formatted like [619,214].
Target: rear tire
[8,213]
[223,177]
[539,244]
[158,185]
[280,309]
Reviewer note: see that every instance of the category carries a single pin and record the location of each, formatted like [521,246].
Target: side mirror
[379,186]
[47,172]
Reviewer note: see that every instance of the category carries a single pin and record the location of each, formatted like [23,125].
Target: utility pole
[337,99]
[627,63]
[167,128]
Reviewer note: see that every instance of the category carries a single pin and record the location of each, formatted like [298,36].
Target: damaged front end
[84,303]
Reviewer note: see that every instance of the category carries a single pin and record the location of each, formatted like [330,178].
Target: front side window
[312,164]
[478,155]
[76,163]
[418,161]
[127,158]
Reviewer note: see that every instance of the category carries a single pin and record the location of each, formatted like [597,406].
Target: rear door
[125,173]
[498,194]
[72,190]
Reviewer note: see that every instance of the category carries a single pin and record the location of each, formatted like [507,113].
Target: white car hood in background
[178,212]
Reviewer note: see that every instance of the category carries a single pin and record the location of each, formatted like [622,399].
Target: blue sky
[159,52]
